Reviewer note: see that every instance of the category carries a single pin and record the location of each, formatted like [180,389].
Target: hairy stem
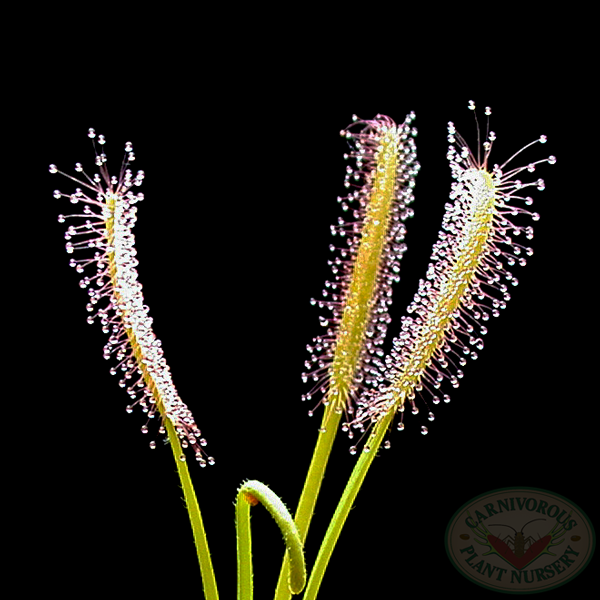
[209,583]
[250,494]
[347,500]
[310,492]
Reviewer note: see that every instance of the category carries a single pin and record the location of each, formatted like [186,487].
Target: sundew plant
[357,387]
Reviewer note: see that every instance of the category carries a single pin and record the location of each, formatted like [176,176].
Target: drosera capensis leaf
[102,236]
[367,251]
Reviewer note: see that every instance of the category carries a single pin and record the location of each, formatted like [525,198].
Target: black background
[243,165]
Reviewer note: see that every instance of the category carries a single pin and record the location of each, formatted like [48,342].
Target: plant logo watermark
[520,540]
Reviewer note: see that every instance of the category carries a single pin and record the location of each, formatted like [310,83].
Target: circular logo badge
[520,540]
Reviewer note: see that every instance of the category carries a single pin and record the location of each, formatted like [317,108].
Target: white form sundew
[367,261]
[466,281]
[105,239]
